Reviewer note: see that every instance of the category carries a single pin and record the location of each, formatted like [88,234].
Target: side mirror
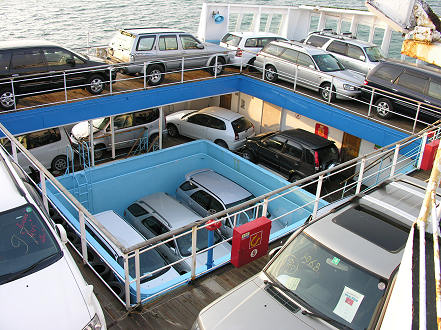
[61,233]
[274,251]
[70,61]
[200,46]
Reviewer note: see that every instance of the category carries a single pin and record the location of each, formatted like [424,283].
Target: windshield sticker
[348,304]
[289,281]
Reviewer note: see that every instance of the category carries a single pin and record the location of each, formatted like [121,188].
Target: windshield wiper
[326,318]
[14,276]
[290,292]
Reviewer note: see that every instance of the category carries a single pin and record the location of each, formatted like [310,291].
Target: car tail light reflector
[316,161]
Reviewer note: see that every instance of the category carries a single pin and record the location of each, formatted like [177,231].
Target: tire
[99,151]
[59,163]
[155,74]
[248,155]
[250,65]
[271,73]
[172,130]
[95,84]
[7,99]
[220,66]
[101,268]
[118,288]
[384,108]
[324,92]
[221,143]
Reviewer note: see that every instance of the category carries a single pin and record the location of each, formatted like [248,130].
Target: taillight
[239,52]
[316,161]
[365,82]
[236,136]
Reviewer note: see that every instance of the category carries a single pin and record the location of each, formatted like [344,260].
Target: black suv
[408,85]
[295,153]
[39,66]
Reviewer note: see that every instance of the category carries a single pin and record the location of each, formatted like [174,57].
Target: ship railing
[389,162]
[124,83]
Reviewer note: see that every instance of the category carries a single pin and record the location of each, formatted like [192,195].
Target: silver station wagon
[310,67]
[159,213]
[164,50]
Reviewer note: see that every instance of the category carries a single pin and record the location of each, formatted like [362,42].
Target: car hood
[47,299]
[250,304]
[177,116]
[170,275]
[349,76]
[81,130]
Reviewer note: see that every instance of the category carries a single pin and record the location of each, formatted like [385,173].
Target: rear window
[316,41]
[231,39]
[327,155]
[136,210]
[241,124]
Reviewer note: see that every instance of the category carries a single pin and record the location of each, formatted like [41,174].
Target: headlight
[349,87]
[94,324]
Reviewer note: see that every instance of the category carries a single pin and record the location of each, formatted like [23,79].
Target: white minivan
[49,146]
[40,284]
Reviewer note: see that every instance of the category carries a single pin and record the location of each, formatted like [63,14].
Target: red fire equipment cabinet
[250,241]
[429,155]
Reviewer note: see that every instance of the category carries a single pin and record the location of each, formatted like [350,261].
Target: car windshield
[328,283]
[248,215]
[184,242]
[26,243]
[149,261]
[231,39]
[327,63]
[374,54]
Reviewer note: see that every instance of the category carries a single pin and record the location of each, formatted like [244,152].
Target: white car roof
[221,113]
[254,34]
[169,209]
[119,228]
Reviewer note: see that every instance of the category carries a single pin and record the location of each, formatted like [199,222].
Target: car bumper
[343,94]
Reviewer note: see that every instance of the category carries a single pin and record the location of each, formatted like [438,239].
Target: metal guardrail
[401,157]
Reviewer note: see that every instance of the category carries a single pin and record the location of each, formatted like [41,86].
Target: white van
[40,284]
[49,146]
[128,129]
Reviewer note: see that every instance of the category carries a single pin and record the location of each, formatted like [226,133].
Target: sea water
[73,22]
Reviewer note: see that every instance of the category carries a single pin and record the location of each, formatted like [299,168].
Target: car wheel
[219,68]
[250,65]
[384,108]
[155,74]
[324,92]
[270,73]
[95,84]
[99,150]
[221,144]
[172,130]
[59,163]
[6,99]
[248,155]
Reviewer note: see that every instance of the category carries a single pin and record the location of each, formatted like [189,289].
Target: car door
[410,85]
[287,67]
[147,119]
[169,51]
[291,159]
[193,51]
[339,50]
[59,60]
[125,134]
[308,75]
[194,126]
[271,150]
[30,61]
[216,129]
[355,59]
